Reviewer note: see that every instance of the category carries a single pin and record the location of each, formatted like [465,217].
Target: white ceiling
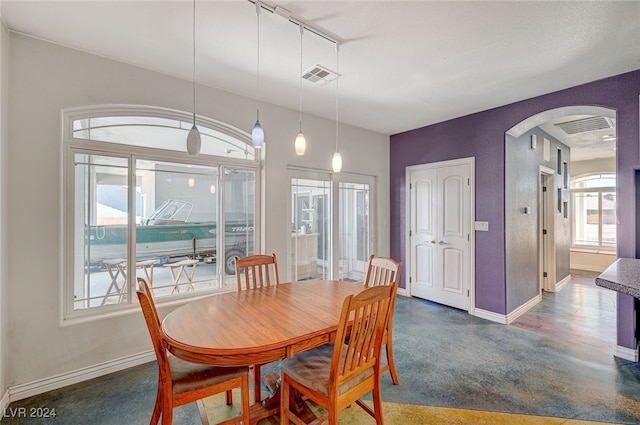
[404,64]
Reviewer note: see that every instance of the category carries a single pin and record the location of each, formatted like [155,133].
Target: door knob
[433,241]
[442,243]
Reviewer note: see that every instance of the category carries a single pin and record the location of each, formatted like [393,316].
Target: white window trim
[600,190]
[71,145]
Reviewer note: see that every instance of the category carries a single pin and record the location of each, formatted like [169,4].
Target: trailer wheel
[230,261]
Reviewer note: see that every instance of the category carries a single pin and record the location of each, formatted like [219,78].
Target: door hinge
[467,292]
[468,238]
[544,274]
[544,231]
[410,232]
[410,279]
[410,186]
[544,188]
[468,181]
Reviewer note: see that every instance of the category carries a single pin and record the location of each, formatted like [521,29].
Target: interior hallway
[580,313]
[446,358]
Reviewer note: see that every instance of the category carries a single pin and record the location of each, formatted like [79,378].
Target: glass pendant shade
[257,135]
[193,141]
[300,144]
[337,162]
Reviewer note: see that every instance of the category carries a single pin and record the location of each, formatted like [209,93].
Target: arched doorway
[542,154]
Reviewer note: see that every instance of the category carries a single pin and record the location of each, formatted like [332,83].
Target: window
[594,210]
[138,205]
[330,243]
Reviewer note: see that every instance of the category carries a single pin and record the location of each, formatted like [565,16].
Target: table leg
[271,405]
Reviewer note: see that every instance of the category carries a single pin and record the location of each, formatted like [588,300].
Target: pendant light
[337,158]
[193,138]
[257,133]
[300,143]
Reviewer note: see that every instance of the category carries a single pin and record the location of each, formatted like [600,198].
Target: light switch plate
[482,226]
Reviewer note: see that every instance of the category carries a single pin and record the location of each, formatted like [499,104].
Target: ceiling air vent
[585,125]
[318,74]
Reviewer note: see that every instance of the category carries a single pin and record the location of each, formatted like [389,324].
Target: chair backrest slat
[382,271]
[258,271]
[359,335]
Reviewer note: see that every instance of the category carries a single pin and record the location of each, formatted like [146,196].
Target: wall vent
[585,125]
[320,75]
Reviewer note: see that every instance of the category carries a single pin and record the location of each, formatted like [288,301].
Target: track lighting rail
[279,10]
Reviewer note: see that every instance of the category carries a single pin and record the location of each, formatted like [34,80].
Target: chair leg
[157,408]
[333,416]
[257,384]
[377,402]
[167,410]
[229,398]
[284,401]
[245,400]
[391,362]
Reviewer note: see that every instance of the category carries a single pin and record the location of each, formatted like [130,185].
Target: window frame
[600,190]
[71,146]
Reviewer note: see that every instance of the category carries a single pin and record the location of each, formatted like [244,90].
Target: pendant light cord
[194,62]
[337,78]
[258,59]
[300,87]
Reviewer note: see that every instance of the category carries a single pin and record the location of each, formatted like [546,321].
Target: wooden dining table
[258,326]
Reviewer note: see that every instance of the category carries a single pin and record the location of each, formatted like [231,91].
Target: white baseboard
[490,315]
[18,392]
[588,267]
[506,319]
[562,283]
[4,403]
[402,292]
[523,308]
[626,353]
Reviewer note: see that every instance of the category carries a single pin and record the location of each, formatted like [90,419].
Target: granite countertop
[622,276]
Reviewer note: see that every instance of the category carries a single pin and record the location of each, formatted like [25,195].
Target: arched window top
[158,128]
[592,181]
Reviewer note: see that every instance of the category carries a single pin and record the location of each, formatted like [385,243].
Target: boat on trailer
[168,234]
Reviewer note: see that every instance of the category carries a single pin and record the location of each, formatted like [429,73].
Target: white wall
[45,78]
[3,216]
[600,165]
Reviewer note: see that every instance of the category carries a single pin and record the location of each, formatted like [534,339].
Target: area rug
[400,414]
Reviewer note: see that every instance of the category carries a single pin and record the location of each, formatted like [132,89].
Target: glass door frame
[336,214]
[334,180]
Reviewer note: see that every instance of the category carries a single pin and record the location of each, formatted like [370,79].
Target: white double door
[440,232]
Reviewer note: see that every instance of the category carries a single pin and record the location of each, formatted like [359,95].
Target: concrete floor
[444,358]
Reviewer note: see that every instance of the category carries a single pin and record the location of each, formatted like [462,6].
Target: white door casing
[440,239]
[546,230]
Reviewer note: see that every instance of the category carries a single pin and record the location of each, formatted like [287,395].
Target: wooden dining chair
[254,272]
[385,271]
[336,375]
[181,382]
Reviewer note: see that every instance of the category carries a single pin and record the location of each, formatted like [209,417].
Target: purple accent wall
[482,135]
